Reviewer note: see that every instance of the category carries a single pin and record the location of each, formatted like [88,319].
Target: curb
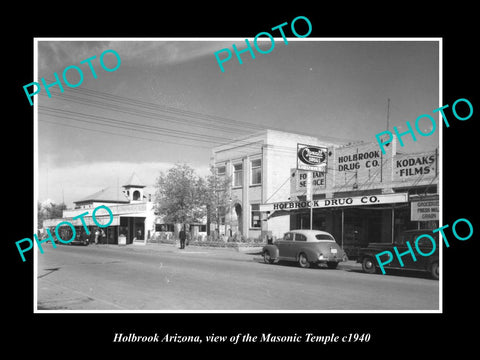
[243,249]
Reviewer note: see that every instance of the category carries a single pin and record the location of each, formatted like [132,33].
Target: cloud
[75,182]
[55,55]
[168,52]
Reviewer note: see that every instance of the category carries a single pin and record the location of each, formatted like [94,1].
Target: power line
[144,104]
[129,136]
[229,125]
[96,119]
[137,108]
[138,127]
[145,114]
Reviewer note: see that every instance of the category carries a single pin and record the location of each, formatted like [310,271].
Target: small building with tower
[133,214]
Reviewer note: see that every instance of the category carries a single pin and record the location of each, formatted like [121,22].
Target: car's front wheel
[303,261]
[267,258]
[434,270]
[332,264]
[368,265]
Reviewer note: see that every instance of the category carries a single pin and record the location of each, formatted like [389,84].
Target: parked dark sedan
[422,263]
[81,239]
[305,247]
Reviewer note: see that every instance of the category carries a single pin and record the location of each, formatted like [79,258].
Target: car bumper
[332,258]
[76,242]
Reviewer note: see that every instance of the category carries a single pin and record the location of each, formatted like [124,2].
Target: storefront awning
[78,222]
[336,202]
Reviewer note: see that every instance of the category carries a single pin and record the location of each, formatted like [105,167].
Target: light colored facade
[260,168]
[133,214]
[363,196]
[134,218]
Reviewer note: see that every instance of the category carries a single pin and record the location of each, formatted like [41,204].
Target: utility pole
[388,126]
[388,113]
[309,196]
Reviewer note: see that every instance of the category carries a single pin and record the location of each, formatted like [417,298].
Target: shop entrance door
[132,228]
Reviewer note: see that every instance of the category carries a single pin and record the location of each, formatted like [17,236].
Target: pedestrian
[182,237]
[97,234]
[102,237]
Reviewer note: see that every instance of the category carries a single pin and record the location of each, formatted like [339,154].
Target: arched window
[136,195]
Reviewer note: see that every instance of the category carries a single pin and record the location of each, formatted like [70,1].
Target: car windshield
[324,237]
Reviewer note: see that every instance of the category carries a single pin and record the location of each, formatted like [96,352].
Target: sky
[169,102]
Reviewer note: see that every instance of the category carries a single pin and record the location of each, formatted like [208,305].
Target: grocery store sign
[337,202]
[424,210]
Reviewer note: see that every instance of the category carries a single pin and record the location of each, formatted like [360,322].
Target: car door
[299,244]
[285,246]
[426,250]
[402,248]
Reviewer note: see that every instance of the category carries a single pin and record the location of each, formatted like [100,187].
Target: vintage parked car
[81,239]
[305,247]
[423,263]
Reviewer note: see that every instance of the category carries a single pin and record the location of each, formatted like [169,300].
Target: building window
[256,172]
[237,175]
[221,171]
[136,195]
[255,216]
[164,227]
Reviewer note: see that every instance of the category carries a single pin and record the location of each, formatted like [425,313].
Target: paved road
[160,277]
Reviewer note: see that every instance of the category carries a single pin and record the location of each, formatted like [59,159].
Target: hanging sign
[311,157]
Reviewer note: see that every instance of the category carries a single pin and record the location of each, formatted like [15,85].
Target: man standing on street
[97,235]
[182,237]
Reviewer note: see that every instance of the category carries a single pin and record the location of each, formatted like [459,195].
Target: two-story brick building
[260,167]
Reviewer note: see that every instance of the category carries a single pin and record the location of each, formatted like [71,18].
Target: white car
[305,247]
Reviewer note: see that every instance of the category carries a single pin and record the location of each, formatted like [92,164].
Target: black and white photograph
[210,208]
[277,185]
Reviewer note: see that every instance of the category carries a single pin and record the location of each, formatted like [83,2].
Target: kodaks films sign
[311,158]
[415,165]
[334,202]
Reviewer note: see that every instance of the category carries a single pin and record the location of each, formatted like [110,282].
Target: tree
[49,210]
[216,197]
[179,196]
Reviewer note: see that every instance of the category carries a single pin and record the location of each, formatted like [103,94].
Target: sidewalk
[163,246]
[256,251]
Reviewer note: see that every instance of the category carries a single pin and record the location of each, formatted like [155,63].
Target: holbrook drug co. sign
[333,202]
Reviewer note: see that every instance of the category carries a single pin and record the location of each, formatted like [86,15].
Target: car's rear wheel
[267,258]
[332,264]
[303,261]
[434,270]
[368,265]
